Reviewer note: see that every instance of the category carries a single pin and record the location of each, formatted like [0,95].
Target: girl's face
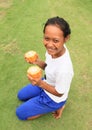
[54,40]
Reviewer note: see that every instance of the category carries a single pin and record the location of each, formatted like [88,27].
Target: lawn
[21,25]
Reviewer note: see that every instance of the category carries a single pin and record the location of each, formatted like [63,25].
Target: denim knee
[19,114]
[20,96]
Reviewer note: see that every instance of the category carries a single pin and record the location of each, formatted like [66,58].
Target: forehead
[53,30]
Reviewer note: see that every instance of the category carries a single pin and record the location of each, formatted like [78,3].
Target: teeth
[50,49]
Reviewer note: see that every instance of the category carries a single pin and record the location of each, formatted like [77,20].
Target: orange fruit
[34,72]
[31,56]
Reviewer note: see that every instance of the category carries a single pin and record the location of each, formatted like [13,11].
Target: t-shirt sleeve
[63,81]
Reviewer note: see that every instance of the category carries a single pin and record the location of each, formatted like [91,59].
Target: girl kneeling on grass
[49,94]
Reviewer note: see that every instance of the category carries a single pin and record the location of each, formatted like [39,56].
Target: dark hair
[61,23]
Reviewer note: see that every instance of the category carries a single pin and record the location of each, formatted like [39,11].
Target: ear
[67,38]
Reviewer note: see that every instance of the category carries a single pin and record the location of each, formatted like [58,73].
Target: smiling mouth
[50,49]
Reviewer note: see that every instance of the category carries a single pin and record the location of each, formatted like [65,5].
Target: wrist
[40,83]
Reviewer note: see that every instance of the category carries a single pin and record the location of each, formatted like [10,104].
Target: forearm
[42,84]
[41,64]
[49,88]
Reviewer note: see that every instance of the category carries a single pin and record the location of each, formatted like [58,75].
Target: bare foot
[57,114]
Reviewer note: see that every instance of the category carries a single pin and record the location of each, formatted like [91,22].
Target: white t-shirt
[59,73]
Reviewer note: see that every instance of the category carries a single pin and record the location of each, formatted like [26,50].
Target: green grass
[21,24]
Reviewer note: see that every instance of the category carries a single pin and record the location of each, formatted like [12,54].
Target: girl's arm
[49,88]
[40,63]
[42,84]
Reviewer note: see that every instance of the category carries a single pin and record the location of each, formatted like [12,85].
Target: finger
[29,76]
[26,59]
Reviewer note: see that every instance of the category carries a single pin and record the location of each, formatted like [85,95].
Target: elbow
[60,95]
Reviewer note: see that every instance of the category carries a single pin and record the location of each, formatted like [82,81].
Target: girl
[49,94]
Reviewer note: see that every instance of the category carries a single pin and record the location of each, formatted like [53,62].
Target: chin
[50,53]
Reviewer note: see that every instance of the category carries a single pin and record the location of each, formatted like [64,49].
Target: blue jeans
[36,102]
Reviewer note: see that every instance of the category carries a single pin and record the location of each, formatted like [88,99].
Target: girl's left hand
[34,81]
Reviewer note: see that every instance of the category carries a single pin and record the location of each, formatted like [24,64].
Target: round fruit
[31,56]
[34,72]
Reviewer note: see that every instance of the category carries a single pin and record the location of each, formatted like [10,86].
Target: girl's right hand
[31,62]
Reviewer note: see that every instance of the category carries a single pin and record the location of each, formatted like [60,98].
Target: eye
[55,40]
[46,38]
